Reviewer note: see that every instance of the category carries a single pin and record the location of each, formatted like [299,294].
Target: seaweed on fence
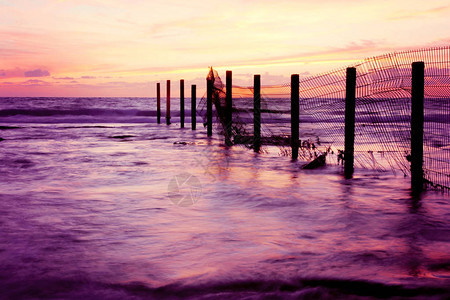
[383,110]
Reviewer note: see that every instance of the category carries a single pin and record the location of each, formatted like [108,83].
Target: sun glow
[107,48]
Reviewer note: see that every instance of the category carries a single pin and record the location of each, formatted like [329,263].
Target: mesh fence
[383,114]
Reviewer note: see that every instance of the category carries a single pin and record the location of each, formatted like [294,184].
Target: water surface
[89,211]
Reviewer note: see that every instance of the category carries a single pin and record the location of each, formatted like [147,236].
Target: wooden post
[257,113]
[194,106]
[417,119]
[295,114]
[158,102]
[182,103]
[168,103]
[229,108]
[350,98]
[209,92]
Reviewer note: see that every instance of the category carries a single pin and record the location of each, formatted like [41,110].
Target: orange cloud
[419,13]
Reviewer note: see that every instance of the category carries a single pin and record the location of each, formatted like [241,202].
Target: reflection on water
[87,215]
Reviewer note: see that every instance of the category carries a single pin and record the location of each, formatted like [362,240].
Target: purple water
[106,204]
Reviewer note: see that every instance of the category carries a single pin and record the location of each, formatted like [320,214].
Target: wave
[110,115]
[75,112]
[312,288]
[85,115]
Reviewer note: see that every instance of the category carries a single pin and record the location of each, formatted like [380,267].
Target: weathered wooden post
[209,93]
[229,108]
[257,113]
[350,100]
[295,115]
[182,103]
[158,102]
[168,103]
[417,120]
[194,107]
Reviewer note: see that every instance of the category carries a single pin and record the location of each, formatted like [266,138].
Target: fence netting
[382,120]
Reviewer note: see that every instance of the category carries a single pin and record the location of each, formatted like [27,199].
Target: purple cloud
[36,73]
[10,73]
[34,82]
[64,78]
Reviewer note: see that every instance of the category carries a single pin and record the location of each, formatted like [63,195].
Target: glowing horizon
[114,48]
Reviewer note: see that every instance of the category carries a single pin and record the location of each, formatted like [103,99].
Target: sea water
[97,201]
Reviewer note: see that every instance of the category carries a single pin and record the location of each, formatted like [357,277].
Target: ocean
[98,201]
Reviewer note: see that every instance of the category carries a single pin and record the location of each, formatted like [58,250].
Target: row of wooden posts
[417,117]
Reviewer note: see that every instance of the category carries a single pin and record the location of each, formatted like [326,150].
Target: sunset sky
[122,48]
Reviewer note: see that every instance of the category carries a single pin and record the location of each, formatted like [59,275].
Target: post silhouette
[194,107]
[257,113]
[209,93]
[417,120]
[168,103]
[229,108]
[350,98]
[182,103]
[158,102]
[295,114]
